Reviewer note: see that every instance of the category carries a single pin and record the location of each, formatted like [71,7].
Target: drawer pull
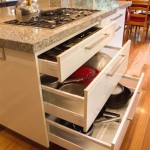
[114,69]
[2,54]
[96,42]
[116,17]
[119,27]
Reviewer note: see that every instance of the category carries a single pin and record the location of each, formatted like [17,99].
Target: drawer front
[135,82]
[100,89]
[116,143]
[118,37]
[107,136]
[76,56]
[119,18]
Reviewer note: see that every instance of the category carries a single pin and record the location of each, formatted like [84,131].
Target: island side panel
[21,107]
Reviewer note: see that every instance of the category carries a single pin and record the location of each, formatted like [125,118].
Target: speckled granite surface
[31,39]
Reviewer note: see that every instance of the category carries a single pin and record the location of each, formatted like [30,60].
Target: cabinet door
[20,104]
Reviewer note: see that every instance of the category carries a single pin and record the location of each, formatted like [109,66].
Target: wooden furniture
[137,18]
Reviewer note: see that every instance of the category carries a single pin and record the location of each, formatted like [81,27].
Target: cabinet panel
[119,18]
[21,108]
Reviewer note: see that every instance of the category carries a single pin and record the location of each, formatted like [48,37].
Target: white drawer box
[119,18]
[83,110]
[106,136]
[70,60]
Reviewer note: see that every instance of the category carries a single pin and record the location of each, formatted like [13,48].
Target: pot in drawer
[62,63]
[76,127]
[73,88]
[98,61]
[49,81]
[119,97]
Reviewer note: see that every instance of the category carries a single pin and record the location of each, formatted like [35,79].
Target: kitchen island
[21,104]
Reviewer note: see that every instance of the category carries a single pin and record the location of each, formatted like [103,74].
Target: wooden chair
[138,19]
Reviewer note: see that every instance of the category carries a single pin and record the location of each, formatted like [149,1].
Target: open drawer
[76,55]
[83,110]
[105,136]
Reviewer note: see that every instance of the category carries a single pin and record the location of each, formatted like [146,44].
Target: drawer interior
[53,53]
[106,135]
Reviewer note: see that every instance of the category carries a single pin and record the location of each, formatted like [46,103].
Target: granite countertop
[31,39]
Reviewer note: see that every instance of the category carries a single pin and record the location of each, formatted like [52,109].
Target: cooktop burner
[55,18]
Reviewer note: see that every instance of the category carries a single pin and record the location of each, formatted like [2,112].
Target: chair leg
[143,38]
[135,31]
[147,30]
[127,32]
[131,27]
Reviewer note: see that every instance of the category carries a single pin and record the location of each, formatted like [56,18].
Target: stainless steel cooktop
[54,18]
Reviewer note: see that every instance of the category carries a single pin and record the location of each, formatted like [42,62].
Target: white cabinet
[119,18]
[20,96]
[82,110]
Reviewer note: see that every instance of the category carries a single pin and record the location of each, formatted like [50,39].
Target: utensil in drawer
[49,81]
[107,116]
[119,97]
[98,61]
[107,120]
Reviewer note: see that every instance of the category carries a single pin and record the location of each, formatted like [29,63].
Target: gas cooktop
[55,18]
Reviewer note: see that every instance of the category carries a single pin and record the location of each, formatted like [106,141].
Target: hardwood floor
[138,134]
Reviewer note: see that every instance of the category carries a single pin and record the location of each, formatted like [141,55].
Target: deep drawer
[83,110]
[106,136]
[70,60]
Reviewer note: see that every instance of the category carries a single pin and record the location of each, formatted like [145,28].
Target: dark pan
[76,127]
[119,100]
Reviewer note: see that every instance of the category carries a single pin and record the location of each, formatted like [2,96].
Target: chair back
[138,12]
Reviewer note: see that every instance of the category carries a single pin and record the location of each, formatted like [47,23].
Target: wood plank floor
[138,134]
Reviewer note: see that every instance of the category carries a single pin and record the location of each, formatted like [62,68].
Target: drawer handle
[2,54]
[119,27]
[116,17]
[114,69]
[96,42]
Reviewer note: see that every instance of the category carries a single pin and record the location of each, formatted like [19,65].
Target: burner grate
[55,18]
